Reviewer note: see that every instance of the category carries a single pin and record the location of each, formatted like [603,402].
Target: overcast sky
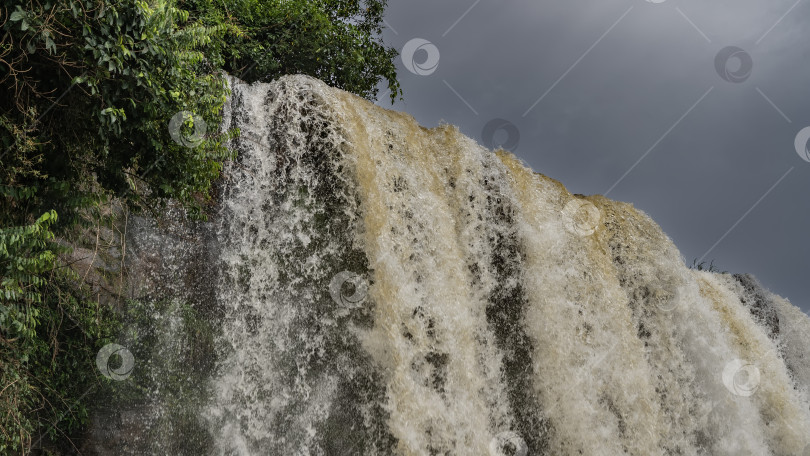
[689,109]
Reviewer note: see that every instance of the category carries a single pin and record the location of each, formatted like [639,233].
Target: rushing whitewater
[395,290]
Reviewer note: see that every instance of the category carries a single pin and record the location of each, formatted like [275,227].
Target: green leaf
[16,16]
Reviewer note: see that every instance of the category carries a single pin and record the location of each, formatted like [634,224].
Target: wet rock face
[159,276]
[116,431]
[758,302]
[146,258]
[170,258]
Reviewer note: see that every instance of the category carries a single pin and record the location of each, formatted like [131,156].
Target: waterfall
[392,289]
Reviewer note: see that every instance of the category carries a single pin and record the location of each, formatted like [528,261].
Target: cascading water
[391,289]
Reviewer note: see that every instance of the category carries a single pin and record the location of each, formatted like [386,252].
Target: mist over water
[391,289]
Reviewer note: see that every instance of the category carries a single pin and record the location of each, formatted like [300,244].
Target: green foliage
[27,253]
[92,92]
[336,41]
[49,333]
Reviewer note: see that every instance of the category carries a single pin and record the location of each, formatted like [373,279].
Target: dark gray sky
[592,86]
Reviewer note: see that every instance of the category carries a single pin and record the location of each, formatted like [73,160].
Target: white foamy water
[392,289]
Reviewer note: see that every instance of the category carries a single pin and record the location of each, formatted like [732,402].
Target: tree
[336,41]
[88,90]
